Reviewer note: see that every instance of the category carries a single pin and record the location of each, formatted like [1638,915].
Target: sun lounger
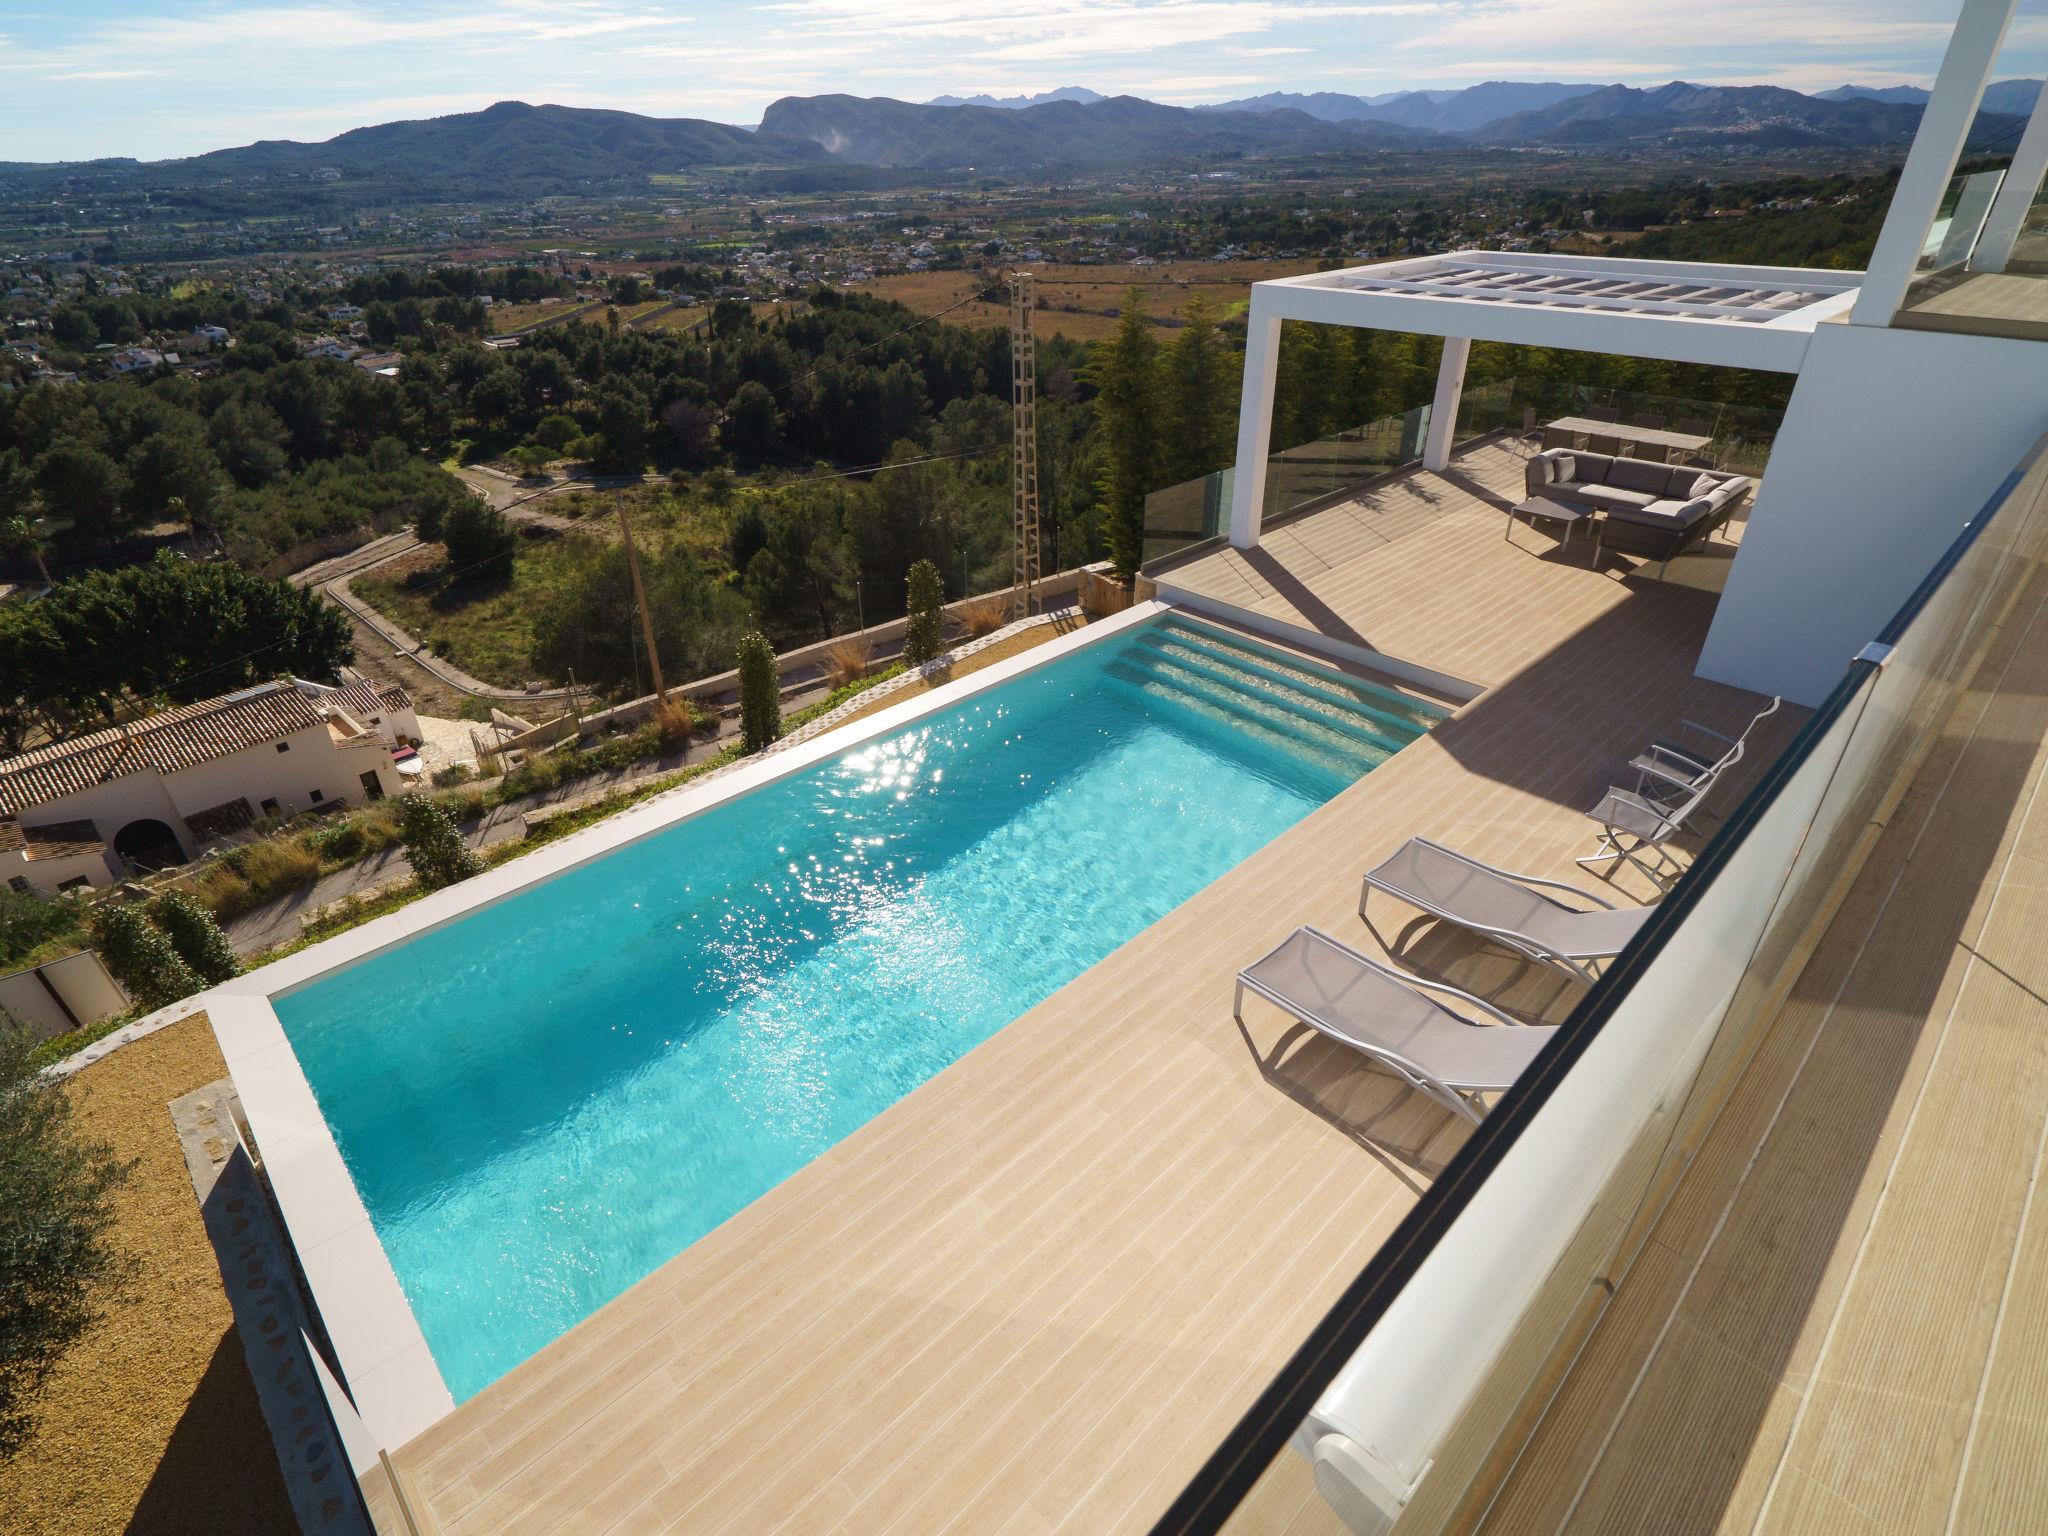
[1378,1011]
[1513,910]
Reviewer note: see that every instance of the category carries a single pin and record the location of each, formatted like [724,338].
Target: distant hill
[1118,130]
[1079,93]
[1718,116]
[2014,97]
[1460,111]
[511,145]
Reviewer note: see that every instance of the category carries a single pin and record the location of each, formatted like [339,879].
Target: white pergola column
[2016,193]
[1443,411]
[1944,128]
[1254,424]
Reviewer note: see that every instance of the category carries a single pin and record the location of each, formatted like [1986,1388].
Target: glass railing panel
[1413,1395]
[1301,477]
[1959,219]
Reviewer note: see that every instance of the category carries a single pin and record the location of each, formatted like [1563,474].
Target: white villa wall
[1893,440]
[48,876]
[315,761]
[109,807]
[260,772]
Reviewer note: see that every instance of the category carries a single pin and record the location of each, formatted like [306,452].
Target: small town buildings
[159,791]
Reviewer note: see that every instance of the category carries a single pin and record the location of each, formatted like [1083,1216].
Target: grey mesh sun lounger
[1380,1012]
[1510,909]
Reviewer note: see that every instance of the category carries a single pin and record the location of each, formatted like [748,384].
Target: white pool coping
[396,1385]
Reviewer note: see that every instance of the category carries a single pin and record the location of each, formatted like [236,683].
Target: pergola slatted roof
[1618,287]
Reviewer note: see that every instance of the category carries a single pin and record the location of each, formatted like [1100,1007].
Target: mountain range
[2007,96]
[1079,93]
[1460,111]
[528,150]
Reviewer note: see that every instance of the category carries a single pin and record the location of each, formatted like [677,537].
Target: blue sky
[154,78]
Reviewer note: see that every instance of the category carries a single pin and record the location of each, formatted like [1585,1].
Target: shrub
[449,777]
[985,615]
[339,844]
[926,637]
[847,661]
[760,691]
[195,936]
[434,845]
[141,958]
[56,1215]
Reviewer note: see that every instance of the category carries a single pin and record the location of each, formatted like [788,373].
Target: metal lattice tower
[1023,444]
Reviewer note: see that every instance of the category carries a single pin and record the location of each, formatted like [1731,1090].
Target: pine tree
[1200,395]
[195,936]
[141,958]
[926,636]
[1125,374]
[760,692]
[433,843]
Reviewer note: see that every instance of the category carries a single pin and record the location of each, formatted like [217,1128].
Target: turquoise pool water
[546,1100]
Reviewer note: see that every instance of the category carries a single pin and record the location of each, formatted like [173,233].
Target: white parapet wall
[1894,439]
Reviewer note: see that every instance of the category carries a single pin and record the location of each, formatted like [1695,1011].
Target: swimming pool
[546,1099]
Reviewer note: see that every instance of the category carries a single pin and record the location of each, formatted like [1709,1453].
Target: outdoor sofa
[1655,510]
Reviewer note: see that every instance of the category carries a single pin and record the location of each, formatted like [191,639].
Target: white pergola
[1681,311]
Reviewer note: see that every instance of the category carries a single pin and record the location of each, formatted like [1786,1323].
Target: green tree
[760,691]
[1200,397]
[196,936]
[173,627]
[141,958]
[752,431]
[478,538]
[57,1260]
[925,639]
[433,843]
[622,425]
[81,483]
[174,465]
[1125,374]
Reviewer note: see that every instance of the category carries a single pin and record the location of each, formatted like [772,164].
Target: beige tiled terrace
[1034,1294]
[1840,1322]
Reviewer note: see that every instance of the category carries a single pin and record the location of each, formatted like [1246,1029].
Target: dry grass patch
[150,1424]
[847,661]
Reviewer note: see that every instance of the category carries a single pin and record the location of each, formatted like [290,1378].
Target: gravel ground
[150,1424]
[445,743]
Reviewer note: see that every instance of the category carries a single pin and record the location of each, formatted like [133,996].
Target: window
[270,807]
[284,746]
[18,884]
[318,797]
[373,787]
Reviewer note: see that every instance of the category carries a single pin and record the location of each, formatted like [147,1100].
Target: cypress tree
[760,692]
[1126,377]
[926,636]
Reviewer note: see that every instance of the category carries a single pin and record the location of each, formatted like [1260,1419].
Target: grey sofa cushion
[1702,484]
[1640,475]
[1610,496]
[1589,468]
[1668,513]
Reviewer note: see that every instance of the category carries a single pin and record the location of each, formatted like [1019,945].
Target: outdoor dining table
[1655,437]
